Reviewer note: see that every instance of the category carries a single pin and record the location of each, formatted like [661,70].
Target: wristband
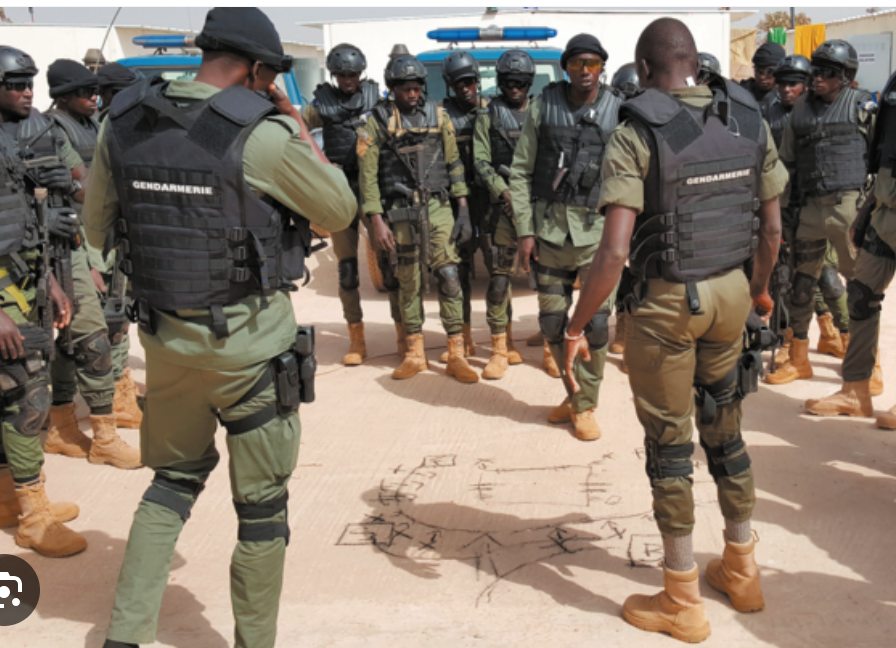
[568,338]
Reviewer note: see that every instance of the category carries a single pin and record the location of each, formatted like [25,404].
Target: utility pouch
[304,348]
[287,382]
[144,316]
[405,214]
[749,368]
[591,175]
[579,165]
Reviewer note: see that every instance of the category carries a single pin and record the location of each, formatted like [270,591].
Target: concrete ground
[430,513]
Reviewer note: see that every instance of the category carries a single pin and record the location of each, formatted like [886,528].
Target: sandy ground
[430,513]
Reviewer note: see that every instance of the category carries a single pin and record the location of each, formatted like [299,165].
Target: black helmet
[459,65]
[15,62]
[404,68]
[709,63]
[346,58]
[515,61]
[836,53]
[626,80]
[792,68]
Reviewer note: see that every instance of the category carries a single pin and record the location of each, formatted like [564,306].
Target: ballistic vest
[412,141]
[505,128]
[883,146]
[340,117]
[831,152]
[702,187]
[192,233]
[35,138]
[571,143]
[774,112]
[82,136]
[464,122]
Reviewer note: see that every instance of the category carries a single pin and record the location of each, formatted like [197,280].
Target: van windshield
[545,73]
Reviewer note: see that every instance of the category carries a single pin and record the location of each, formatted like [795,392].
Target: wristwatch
[75,188]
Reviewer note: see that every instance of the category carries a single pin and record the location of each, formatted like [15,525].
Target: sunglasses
[769,70]
[18,86]
[86,93]
[577,64]
[824,73]
[516,85]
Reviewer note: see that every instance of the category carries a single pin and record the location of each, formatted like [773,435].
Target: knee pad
[503,258]
[728,459]
[390,281]
[830,284]
[498,285]
[663,462]
[348,274]
[803,289]
[178,495]
[251,531]
[597,331]
[863,303]
[553,325]
[26,408]
[449,280]
[93,354]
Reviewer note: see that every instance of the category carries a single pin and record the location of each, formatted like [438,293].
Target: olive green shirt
[277,164]
[627,161]
[556,222]
[482,152]
[371,139]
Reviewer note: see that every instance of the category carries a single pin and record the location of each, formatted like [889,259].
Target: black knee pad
[390,281]
[169,493]
[803,289]
[348,274]
[863,303]
[663,462]
[498,285]
[728,459]
[449,280]
[503,258]
[553,325]
[26,408]
[93,354]
[597,331]
[830,284]
[251,531]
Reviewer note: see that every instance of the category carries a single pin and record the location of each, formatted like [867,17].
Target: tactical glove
[63,222]
[463,230]
[57,177]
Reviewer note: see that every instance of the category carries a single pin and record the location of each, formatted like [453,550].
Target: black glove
[56,177]
[463,229]
[63,222]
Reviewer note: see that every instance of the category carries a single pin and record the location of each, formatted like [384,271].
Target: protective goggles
[577,64]
[19,86]
[823,72]
[764,70]
[516,85]
[86,93]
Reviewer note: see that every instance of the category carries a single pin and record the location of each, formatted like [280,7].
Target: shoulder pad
[128,98]
[651,106]
[741,95]
[240,105]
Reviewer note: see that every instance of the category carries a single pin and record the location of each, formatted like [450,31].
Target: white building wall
[617,32]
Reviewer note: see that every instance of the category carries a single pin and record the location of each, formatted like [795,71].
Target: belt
[8,286]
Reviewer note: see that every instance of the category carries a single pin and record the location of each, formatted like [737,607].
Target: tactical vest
[701,190]
[571,143]
[883,146]
[464,122]
[193,234]
[82,136]
[35,138]
[340,118]
[831,152]
[774,112]
[418,139]
[505,128]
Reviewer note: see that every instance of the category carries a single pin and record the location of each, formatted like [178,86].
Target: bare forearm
[769,243]
[602,278]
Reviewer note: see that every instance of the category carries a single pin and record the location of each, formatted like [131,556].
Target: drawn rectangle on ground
[373,533]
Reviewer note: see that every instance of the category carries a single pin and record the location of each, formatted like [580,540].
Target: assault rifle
[115,308]
[417,211]
[867,203]
[779,288]
[43,300]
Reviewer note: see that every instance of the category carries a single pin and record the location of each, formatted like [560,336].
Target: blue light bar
[155,41]
[491,33]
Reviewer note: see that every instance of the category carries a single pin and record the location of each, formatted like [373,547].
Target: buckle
[669,238]
[668,220]
[127,267]
[124,246]
[240,275]
[121,226]
[240,253]
[237,234]
[669,256]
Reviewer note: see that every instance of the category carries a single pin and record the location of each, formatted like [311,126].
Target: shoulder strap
[241,106]
[128,98]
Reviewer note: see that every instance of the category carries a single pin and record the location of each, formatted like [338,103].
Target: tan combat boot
[548,363]
[108,447]
[401,339]
[457,363]
[358,349]
[737,575]
[587,428]
[853,399]
[561,413]
[497,364]
[513,356]
[797,368]
[887,420]
[39,530]
[876,385]
[10,510]
[782,355]
[469,345]
[127,413]
[414,360]
[65,437]
[678,609]
[618,345]
[830,341]
[536,339]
